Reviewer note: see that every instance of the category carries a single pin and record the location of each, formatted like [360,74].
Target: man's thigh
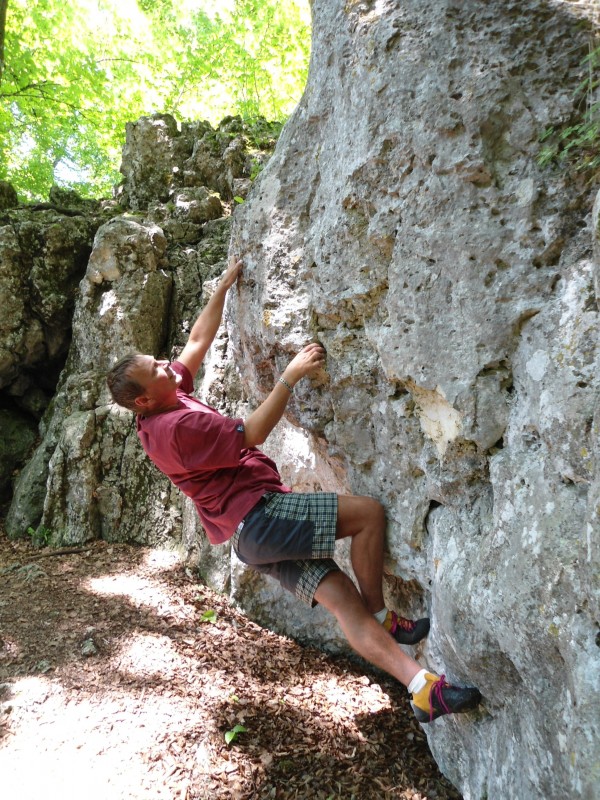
[301,577]
[291,537]
[357,512]
[287,527]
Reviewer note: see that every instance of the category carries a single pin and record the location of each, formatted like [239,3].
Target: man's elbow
[253,438]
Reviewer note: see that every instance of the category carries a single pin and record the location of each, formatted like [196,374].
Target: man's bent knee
[358,513]
[335,591]
[378,512]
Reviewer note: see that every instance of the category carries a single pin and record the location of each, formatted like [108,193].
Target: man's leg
[338,594]
[280,538]
[431,695]
[363,518]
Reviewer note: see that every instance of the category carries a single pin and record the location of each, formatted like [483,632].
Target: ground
[120,676]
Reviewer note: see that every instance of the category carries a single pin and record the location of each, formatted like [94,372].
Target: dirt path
[112,687]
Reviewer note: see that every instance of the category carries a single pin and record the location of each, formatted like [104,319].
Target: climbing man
[290,536]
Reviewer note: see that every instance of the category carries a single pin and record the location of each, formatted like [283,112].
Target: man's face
[160,382]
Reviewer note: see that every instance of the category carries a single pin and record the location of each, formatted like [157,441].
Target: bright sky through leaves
[75,73]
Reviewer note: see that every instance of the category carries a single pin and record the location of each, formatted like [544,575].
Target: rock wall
[44,250]
[146,272]
[405,223]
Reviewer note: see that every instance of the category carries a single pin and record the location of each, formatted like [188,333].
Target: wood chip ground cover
[112,686]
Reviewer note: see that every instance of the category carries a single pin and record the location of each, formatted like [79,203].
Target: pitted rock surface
[405,223]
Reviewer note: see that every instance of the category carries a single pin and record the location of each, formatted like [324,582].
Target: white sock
[418,682]
[381,615]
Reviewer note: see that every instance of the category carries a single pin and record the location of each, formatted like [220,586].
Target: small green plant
[232,735]
[578,143]
[256,168]
[40,536]
[209,616]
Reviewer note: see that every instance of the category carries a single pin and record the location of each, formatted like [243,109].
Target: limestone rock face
[160,159]
[43,255]
[405,223]
[145,278]
[67,486]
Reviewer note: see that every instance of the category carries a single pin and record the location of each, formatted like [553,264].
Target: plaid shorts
[291,537]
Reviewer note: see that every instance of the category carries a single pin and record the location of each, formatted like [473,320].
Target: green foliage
[40,536]
[578,143]
[75,73]
[231,736]
[209,616]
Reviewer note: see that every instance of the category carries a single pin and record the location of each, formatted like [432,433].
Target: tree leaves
[75,73]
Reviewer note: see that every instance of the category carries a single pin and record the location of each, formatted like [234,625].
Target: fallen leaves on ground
[120,677]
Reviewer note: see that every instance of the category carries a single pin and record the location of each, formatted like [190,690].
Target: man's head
[142,384]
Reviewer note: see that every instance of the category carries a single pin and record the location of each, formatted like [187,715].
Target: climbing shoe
[438,697]
[406,631]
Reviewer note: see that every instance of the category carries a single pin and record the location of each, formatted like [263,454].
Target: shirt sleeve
[187,384]
[209,441]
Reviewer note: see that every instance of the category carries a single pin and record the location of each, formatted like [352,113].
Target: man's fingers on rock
[316,347]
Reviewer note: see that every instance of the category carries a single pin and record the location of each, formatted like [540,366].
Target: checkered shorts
[291,537]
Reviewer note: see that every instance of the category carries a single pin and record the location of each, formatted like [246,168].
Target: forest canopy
[73,74]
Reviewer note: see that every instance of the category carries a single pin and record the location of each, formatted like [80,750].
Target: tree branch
[40,90]
[127,60]
[28,86]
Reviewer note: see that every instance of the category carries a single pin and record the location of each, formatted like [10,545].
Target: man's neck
[161,409]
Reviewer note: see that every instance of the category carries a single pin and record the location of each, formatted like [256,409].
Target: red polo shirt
[203,454]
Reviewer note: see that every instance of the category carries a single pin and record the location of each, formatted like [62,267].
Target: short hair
[123,389]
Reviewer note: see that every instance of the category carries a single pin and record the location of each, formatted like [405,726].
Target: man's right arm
[262,421]
[206,326]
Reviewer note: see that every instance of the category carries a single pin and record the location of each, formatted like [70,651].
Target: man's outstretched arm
[206,326]
[262,421]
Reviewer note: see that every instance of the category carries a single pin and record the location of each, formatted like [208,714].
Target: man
[239,495]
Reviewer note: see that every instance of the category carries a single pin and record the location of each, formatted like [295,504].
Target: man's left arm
[206,326]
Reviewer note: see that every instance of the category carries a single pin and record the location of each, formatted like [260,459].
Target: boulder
[161,159]
[43,255]
[404,222]
[18,435]
[8,196]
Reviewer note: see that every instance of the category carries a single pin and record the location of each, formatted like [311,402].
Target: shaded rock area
[141,283]
[43,253]
[44,250]
[404,222]
[18,436]
[8,196]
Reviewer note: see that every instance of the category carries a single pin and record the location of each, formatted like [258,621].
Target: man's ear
[142,402]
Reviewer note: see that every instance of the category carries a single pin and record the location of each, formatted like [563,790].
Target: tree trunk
[3,8]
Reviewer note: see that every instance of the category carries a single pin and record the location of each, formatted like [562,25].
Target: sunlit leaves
[231,736]
[77,72]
